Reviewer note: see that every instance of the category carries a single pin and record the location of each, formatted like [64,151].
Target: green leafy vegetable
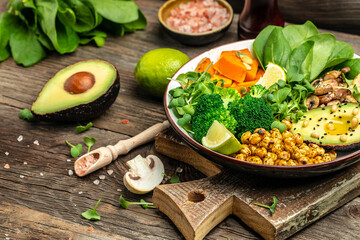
[33,25]
[174,178]
[91,214]
[89,142]
[271,208]
[279,125]
[125,204]
[75,150]
[80,128]
[26,114]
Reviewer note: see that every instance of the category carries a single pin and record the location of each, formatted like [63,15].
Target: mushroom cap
[144,174]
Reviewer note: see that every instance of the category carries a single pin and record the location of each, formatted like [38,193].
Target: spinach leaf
[86,16]
[63,37]
[140,23]
[96,35]
[260,42]
[7,23]
[276,49]
[324,44]
[25,48]
[297,58]
[296,34]
[118,11]
[354,65]
[342,51]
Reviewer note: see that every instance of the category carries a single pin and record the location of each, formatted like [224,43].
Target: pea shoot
[26,114]
[91,214]
[143,203]
[75,150]
[271,208]
[174,178]
[81,128]
[89,142]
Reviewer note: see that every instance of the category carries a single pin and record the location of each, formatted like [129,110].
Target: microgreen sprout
[81,128]
[143,203]
[91,214]
[174,178]
[271,208]
[89,142]
[75,150]
[26,114]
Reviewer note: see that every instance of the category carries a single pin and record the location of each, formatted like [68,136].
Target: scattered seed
[355,111]
[247,66]
[305,123]
[20,138]
[325,133]
[340,116]
[343,138]
[6,166]
[102,177]
[110,171]
[323,108]
[351,134]
[22,176]
[334,108]
[314,128]
[7,153]
[315,135]
[36,142]
[96,182]
[70,172]
[354,122]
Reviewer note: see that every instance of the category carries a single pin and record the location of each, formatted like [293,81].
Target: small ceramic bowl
[343,160]
[193,38]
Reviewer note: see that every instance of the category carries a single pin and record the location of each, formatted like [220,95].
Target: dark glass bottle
[256,15]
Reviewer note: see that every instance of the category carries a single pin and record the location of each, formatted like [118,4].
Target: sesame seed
[351,134]
[318,125]
[322,137]
[310,118]
[325,118]
[294,128]
[320,142]
[323,108]
[314,128]
[348,121]
[325,133]
[340,116]
[346,133]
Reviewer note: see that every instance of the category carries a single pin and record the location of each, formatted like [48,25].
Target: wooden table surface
[40,200]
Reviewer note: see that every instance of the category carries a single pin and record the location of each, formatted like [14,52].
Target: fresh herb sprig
[91,214]
[143,203]
[80,128]
[89,142]
[174,178]
[271,208]
[26,114]
[75,150]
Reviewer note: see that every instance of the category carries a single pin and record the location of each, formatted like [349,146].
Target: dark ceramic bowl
[193,38]
[343,160]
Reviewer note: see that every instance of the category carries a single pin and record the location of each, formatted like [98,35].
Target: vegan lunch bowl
[250,122]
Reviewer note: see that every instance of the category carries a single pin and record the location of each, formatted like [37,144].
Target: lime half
[221,140]
[273,74]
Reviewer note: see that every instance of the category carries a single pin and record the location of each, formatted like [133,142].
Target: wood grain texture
[197,206]
[47,188]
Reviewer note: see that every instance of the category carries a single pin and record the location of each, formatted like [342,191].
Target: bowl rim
[167,3]
[229,159]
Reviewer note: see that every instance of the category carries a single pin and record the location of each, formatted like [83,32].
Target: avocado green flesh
[330,126]
[53,97]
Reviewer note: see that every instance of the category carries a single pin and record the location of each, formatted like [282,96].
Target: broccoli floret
[209,108]
[251,113]
[227,94]
[257,91]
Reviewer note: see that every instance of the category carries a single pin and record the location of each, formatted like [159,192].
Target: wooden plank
[196,207]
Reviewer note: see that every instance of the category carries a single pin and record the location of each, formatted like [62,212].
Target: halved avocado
[79,92]
[333,127]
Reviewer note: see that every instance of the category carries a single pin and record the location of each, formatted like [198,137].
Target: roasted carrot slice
[203,65]
[232,67]
[250,74]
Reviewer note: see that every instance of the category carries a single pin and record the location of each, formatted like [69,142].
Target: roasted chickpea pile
[286,149]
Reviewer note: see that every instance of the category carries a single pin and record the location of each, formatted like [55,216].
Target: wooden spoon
[103,156]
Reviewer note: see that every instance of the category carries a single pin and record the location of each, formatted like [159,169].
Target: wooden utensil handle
[124,146]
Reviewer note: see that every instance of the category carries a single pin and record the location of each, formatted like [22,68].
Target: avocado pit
[79,82]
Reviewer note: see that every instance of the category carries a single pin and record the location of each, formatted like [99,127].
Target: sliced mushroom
[349,99]
[325,86]
[345,70]
[338,93]
[332,74]
[312,102]
[144,174]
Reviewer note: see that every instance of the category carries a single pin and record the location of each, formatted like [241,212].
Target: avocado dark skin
[79,92]
[87,111]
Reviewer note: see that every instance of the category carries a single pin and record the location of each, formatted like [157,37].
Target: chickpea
[332,154]
[275,133]
[283,155]
[304,161]
[254,159]
[327,157]
[268,161]
[288,123]
[298,139]
[261,152]
[252,149]
[281,163]
[290,148]
[277,148]
[290,141]
[255,138]
[261,131]
[320,151]
[292,162]
[245,137]
[266,142]
[287,134]
[318,159]
[245,150]
[300,153]
[312,153]
[241,157]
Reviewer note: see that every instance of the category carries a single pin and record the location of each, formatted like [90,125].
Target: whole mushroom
[144,174]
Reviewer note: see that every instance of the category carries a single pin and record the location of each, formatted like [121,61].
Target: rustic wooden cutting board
[198,206]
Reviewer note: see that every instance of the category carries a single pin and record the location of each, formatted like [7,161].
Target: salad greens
[75,150]
[31,27]
[89,142]
[143,203]
[81,128]
[26,114]
[300,48]
[91,214]
[271,208]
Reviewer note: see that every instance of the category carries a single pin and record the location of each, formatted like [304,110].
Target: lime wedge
[273,74]
[221,140]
